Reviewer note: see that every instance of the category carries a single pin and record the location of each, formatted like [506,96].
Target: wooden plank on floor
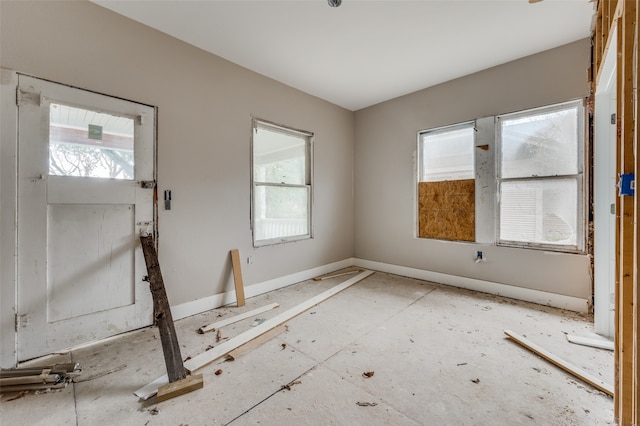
[565,365]
[205,358]
[236,318]
[594,343]
[29,380]
[171,390]
[258,341]
[337,274]
[237,276]
[162,312]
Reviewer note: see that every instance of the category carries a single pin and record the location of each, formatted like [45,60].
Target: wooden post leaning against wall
[626,215]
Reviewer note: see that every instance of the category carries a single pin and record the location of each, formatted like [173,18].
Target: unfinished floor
[439,357]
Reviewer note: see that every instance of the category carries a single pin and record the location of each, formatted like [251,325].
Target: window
[446,184]
[281,205]
[540,178]
[90,144]
[447,153]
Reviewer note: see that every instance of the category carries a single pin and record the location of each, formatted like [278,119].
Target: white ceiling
[365,52]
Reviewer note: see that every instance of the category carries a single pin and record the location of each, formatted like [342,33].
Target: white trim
[528,295]
[207,303]
[8,214]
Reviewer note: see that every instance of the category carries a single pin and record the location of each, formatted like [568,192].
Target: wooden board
[258,341]
[337,274]
[237,276]
[594,343]
[205,358]
[559,362]
[29,380]
[162,312]
[171,390]
[446,210]
[36,371]
[236,318]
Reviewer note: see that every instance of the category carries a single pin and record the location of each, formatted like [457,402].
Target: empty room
[319,212]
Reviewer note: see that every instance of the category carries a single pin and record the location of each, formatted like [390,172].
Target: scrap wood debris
[368,374]
[218,372]
[38,378]
[366,404]
[229,358]
[290,384]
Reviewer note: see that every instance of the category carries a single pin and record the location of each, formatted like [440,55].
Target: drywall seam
[207,303]
[536,296]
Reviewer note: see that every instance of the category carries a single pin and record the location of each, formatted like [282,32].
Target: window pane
[90,144]
[279,157]
[281,212]
[543,144]
[539,211]
[447,155]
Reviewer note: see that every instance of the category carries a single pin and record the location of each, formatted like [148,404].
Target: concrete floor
[438,354]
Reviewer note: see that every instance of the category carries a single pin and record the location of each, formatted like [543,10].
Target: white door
[85,192]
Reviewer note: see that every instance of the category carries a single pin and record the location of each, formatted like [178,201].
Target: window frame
[257,123]
[579,177]
[419,169]
[437,130]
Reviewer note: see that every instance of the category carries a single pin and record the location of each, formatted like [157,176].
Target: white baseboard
[528,295]
[207,303]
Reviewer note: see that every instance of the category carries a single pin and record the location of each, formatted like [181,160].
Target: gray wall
[205,105]
[385,191]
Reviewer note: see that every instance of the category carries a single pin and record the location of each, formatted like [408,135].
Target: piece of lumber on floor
[236,318]
[171,390]
[65,368]
[237,276]
[28,380]
[162,312]
[559,362]
[205,358]
[41,386]
[337,274]
[588,341]
[258,341]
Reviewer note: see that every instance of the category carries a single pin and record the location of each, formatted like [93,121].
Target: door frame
[604,277]
[8,214]
[9,208]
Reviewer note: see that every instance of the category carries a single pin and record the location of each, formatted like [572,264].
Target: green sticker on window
[95,132]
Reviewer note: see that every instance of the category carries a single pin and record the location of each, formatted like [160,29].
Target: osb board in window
[446,210]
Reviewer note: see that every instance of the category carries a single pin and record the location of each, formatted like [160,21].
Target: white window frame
[440,130]
[579,177]
[419,165]
[257,124]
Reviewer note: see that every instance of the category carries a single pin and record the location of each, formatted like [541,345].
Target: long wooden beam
[565,365]
[221,350]
[216,325]
[626,215]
